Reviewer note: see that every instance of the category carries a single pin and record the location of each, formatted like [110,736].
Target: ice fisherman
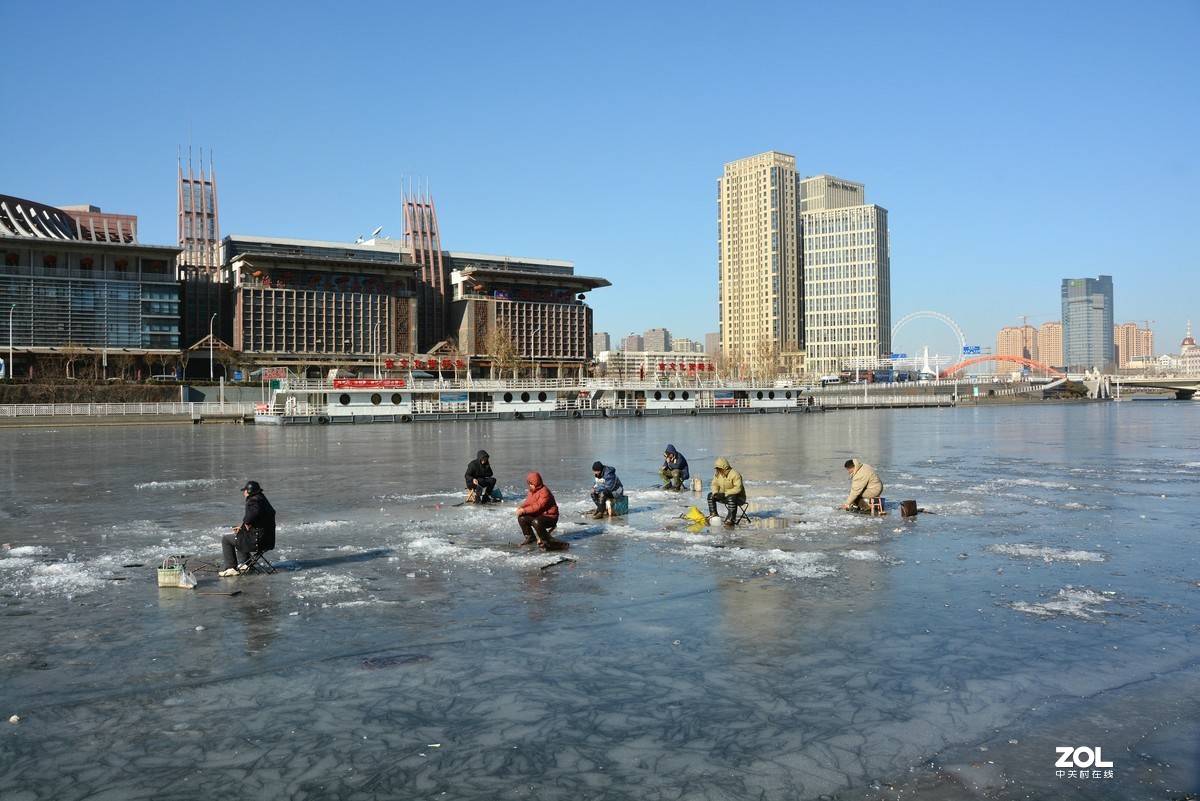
[255,534]
[674,470]
[538,514]
[606,488]
[479,478]
[864,484]
[728,489]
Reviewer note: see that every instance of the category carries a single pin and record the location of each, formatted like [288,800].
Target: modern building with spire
[204,288]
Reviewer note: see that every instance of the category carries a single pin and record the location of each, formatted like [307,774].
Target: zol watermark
[1082,762]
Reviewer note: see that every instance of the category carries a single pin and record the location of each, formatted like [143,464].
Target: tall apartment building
[1087,317]
[760,291]
[685,345]
[1132,343]
[601,342]
[1019,341]
[712,344]
[633,342]
[657,339]
[1050,344]
[847,289]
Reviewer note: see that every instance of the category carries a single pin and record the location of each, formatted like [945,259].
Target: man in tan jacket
[864,483]
[727,489]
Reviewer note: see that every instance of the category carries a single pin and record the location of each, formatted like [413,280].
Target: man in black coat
[479,477]
[255,535]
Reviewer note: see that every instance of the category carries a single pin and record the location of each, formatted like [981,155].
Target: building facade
[1132,344]
[1019,341]
[633,342]
[760,289]
[847,276]
[77,298]
[657,339]
[508,313]
[601,342]
[1087,318]
[312,305]
[1050,344]
[712,344]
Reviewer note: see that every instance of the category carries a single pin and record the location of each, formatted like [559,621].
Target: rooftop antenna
[375,233]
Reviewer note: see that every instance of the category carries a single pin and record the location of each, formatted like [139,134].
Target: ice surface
[408,648]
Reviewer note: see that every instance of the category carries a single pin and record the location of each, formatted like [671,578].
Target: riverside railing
[193,410]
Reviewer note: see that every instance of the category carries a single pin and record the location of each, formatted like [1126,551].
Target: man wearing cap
[255,535]
[727,489]
[605,489]
[479,478]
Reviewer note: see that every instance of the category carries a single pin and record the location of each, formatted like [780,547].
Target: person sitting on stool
[255,535]
[479,477]
[674,471]
[538,514]
[865,485]
[727,488]
[606,488]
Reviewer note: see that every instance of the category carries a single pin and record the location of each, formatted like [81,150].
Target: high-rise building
[633,342]
[760,291]
[1087,317]
[1019,341]
[601,342]
[1132,343]
[657,339]
[1050,344]
[712,344]
[847,289]
[685,345]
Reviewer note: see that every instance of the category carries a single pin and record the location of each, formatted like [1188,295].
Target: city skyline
[999,147]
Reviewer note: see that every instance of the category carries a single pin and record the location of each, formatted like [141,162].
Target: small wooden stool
[876,506]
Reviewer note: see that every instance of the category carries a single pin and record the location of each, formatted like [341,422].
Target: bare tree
[71,353]
[502,348]
[766,360]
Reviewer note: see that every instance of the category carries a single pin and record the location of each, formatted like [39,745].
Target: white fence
[193,410]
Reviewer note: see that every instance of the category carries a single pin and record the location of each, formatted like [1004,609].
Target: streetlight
[11,364]
[211,320]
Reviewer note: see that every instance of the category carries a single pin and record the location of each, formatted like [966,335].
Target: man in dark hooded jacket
[479,477]
[255,534]
[674,470]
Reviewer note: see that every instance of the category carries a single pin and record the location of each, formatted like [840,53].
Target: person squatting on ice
[254,535]
[479,478]
[727,488]
[864,483]
[538,513]
[606,488]
[674,470]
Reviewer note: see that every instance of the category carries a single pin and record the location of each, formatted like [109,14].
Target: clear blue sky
[1013,144]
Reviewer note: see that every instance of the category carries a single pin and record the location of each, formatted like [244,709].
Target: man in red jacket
[538,515]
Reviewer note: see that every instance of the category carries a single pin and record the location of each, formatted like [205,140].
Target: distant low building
[82,294]
[312,305]
[532,308]
[648,364]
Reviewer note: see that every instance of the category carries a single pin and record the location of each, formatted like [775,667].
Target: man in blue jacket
[606,488]
[674,470]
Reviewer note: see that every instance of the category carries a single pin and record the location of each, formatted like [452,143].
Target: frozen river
[1048,599]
